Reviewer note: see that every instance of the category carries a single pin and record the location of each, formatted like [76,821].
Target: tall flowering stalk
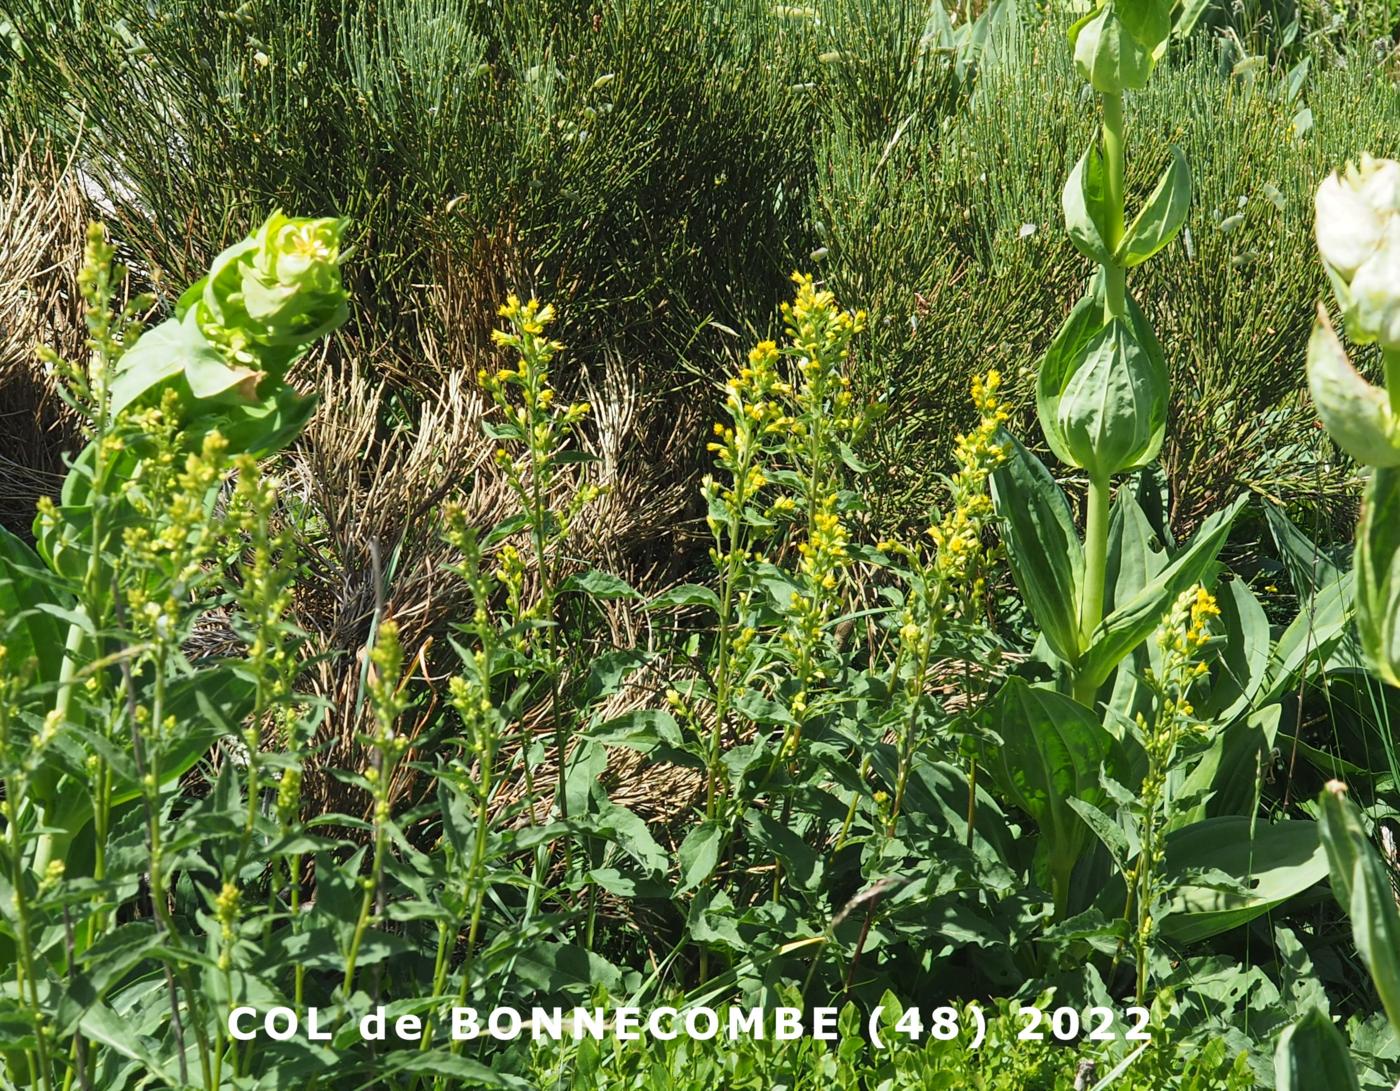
[1182,639]
[824,423]
[1358,234]
[1103,387]
[778,483]
[758,417]
[144,540]
[535,457]
[949,587]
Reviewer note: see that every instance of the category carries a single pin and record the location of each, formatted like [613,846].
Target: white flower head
[1358,235]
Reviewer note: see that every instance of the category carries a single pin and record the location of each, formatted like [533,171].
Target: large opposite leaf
[1161,217]
[1362,886]
[1312,1055]
[1280,860]
[1051,752]
[1133,622]
[29,631]
[1084,323]
[1043,548]
[1086,206]
[172,348]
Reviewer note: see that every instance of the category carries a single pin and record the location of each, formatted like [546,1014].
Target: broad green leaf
[1114,837]
[687,594]
[1065,353]
[1237,673]
[172,348]
[1042,545]
[102,1026]
[463,1071]
[1357,415]
[1135,558]
[1148,21]
[1051,751]
[642,729]
[1189,15]
[1229,769]
[1312,636]
[1114,404]
[699,854]
[631,835]
[1134,621]
[609,669]
[1309,567]
[1108,54]
[1161,217]
[1135,555]
[601,585]
[1377,569]
[1312,1055]
[1362,885]
[802,866]
[1273,860]
[1086,207]
[28,630]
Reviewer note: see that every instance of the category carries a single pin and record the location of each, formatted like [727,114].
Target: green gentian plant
[1358,234]
[105,706]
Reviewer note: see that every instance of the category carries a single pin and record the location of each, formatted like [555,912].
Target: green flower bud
[1117,46]
[1103,389]
[1357,415]
[1358,235]
[1113,406]
[270,295]
[1378,574]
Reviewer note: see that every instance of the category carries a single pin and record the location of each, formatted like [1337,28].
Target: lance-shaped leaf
[1051,752]
[1042,546]
[1362,886]
[1134,621]
[1086,206]
[1161,217]
[1377,570]
[1356,414]
[1066,352]
[1266,863]
[1312,1055]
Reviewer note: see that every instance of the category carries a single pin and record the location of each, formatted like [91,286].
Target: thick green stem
[1095,571]
[1392,377]
[1114,273]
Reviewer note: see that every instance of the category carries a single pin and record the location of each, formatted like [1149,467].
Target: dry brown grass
[42,225]
[397,434]
[367,482]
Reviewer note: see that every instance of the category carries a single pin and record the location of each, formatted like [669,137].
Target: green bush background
[658,168]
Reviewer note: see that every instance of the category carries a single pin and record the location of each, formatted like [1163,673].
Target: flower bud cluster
[273,293]
[1358,234]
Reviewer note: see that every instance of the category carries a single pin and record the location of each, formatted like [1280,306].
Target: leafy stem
[1095,570]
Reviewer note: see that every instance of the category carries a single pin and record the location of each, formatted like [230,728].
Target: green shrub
[950,237]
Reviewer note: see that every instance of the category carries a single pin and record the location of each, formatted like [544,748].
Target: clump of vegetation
[1015,798]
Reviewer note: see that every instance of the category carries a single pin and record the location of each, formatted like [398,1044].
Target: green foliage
[886,784]
[947,228]
[1002,1063]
